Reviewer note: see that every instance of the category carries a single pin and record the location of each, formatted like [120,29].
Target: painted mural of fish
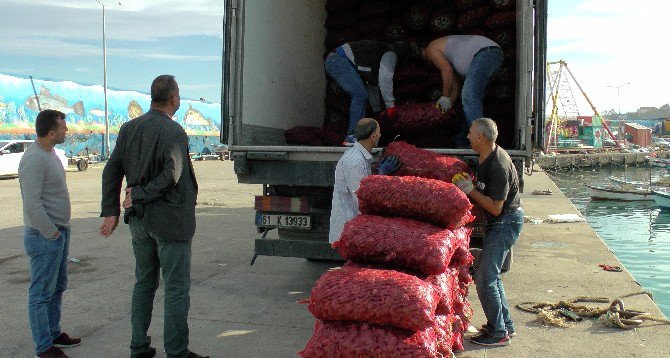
[134,110]
[195,118]
[54,101]
[97,112]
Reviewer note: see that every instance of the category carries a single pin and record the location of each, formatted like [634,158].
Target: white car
[11,152]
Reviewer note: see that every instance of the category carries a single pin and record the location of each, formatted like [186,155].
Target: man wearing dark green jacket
[151,152]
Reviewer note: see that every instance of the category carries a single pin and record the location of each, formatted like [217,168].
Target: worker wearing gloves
[356,164]
[475,58]
[497,192]
[364,69]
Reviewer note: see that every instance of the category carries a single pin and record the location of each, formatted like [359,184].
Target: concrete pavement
[239,310]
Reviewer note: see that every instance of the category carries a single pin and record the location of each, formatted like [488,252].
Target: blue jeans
[48,281]
[344,73]
[501,233]
[484,66]
[154,254]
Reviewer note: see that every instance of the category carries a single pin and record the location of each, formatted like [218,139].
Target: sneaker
[52,352]
[194,355]
[149,353]
[486,339]
[349,140]
[65,341]
[486,328]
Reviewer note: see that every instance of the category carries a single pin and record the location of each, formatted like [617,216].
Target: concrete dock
[239,310]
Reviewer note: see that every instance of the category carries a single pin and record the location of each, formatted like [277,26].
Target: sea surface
[638,233]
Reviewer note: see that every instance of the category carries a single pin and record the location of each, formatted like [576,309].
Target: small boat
[658,162]
[612,193]
[622,181]
[662,198]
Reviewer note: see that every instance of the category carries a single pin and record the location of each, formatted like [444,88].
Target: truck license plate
[284,221]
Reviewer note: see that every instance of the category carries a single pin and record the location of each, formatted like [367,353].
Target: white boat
[612,193]
[622,181]
[662,198]
[658,162]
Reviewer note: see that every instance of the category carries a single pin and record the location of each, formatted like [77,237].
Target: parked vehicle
[11,152]
[274,80]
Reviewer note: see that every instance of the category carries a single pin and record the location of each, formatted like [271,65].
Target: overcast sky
[605,42]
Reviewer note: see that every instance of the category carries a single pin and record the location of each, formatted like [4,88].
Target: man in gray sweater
[151,152]
[46,214]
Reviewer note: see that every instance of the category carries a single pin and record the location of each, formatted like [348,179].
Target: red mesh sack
[472,18]
[303,135]
[341,21]
[425,163]
[465,5]
[457,330]
[411,118]
[341,5]
[446,284]
[400,242]
[406,91]
[311,136]
[443,21]
[377,296]
[353,339]
[499,20]
[417,17]
[428,200]
[411,73]
[503,4]
[444,335]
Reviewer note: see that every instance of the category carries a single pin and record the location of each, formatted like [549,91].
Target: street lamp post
[618,90]
[104,78]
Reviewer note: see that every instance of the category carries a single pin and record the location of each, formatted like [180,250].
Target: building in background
[637,134]
[84,106]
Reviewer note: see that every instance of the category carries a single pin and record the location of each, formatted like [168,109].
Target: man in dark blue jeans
[476,59]
[364,69]
[497,192]
[46,214]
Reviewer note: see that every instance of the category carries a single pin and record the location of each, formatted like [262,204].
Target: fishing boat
[661,197]
[658,162]
[623,181]
[621,194]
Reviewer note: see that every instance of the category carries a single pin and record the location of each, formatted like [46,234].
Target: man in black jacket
[363,69]
[152,153]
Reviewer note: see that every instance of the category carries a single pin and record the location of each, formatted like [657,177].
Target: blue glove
[389,165]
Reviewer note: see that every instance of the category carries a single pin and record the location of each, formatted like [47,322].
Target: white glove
[464,182]
[444,103]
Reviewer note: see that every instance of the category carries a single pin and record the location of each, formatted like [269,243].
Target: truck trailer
[274,80]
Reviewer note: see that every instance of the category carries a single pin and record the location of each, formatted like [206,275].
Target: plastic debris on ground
[565,218]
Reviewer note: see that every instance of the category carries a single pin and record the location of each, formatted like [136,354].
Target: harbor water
[638,233]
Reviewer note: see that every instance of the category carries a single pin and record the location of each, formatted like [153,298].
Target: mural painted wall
[84,106]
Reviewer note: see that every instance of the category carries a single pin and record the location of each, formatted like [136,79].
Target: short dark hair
[162,88]
[365,128]
[47,121]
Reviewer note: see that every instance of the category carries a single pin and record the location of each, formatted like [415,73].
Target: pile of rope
[563,313]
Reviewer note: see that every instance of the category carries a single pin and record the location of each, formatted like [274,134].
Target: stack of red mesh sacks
[402,292]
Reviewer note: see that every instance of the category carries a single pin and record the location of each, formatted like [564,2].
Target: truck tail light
[284,204]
